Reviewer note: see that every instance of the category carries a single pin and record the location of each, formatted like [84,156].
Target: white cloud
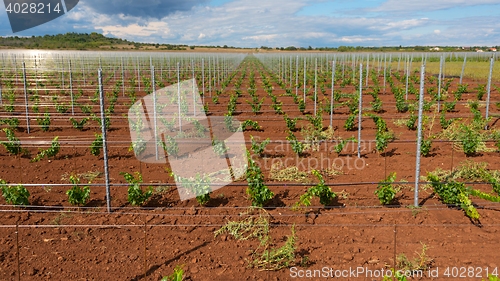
[428,5]
[158,28]
[261,38]
[401,24]
[279,23]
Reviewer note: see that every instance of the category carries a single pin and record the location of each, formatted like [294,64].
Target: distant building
[493,49]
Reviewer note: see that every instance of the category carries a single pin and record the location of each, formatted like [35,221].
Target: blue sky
[282,23]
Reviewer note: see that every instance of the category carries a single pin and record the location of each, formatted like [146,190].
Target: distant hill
[79,41]
[96,41]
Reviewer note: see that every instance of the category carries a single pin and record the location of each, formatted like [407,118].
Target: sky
[282,23]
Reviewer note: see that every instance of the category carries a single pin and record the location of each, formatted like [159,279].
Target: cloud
[145,8]
[427,5]
[272,23]
[280,23]
[157,28]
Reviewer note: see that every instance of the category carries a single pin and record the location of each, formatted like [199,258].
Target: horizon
[298,23]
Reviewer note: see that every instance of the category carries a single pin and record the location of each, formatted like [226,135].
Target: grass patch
[279,173]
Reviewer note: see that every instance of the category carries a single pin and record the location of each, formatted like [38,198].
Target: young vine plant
[77,195]
[15,195]
[385,192]
[136,196]
[321,190]
[52,151]
[259,193]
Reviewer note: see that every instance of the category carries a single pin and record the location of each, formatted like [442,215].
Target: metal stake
[104,141]
[26,98]
[360,108]
[419,138]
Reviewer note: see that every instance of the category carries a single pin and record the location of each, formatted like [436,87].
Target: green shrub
[453,193]
[250,125]
[450,106]
[13,146]
[258,148]
[199,185]
[52,151]
[259,193]
[219,147]
[411,123]
[444,123]
[481,91]
[15,195]
[316,121]
[350,122]
[297,146]
[78,124]
[382,140]
[425,147]
[136,196]
[321,190]
[470,139]
[376,105]
[77,195]
[302,106]
[291,123]
[170,145]
[178,275]
[385,192]
[13,123]
[44,122]
[342,143]
[96,145]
